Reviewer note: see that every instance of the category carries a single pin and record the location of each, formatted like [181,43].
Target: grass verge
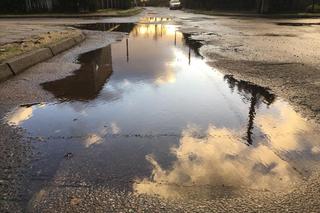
[120,13]
[316,8]
[99,13]
[17,48]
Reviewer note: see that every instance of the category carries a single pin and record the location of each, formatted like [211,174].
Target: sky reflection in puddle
[230,132]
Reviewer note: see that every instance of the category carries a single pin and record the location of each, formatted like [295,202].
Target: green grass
[117,12]
[316,8]
[9,52]
[14,49]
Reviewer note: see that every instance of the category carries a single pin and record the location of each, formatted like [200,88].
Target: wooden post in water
[127,44]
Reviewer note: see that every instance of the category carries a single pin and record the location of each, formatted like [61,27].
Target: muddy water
[148,115]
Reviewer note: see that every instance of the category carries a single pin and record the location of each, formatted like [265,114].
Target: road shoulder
[16,58]
[99,14]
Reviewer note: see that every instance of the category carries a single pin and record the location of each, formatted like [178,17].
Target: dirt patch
[17,48]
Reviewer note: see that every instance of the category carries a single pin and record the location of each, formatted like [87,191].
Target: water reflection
[19,116]
[156,31]
[220,160]
[194,45]
[86,82]
[253,94]
[117,27]
[136,98]
[153,20]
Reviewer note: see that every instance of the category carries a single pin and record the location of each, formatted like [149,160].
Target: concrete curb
[62,46]
[27,60]
[19,64]
[5,72]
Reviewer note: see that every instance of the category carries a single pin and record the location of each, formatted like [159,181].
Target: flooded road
[149,116]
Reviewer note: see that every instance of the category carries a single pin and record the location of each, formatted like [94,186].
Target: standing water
[148,115]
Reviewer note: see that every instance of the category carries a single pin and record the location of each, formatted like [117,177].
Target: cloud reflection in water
[222,158]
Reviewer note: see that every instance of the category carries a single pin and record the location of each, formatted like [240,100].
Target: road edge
[89,15]
[251,14]
[16,65]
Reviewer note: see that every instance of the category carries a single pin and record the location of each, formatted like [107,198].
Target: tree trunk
[313,3]
[264,6]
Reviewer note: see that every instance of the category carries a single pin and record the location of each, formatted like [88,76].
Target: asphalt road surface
[108,126]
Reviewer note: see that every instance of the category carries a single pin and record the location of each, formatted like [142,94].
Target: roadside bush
[12,6]
[158,3]
[75,5]
[316,8]
[271,6]
[219,4]
[19,6]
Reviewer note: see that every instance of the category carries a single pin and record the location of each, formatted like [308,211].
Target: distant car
[175,5]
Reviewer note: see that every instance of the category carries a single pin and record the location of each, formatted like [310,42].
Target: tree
[14,6]
[263,6]
[313,3]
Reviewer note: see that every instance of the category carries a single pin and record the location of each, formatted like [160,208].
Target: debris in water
[69,155]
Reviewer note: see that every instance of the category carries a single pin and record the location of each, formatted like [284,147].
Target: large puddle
[148,114]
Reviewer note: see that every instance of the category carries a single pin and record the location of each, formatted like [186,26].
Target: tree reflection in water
[253,94]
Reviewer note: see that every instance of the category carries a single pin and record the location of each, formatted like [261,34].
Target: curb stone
[5,72]
[18,64]
[25,61]
[79,38]
[62,46]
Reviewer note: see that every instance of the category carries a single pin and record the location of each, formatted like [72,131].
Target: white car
[175,4]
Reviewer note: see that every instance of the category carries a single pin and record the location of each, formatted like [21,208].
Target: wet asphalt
[61,187]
